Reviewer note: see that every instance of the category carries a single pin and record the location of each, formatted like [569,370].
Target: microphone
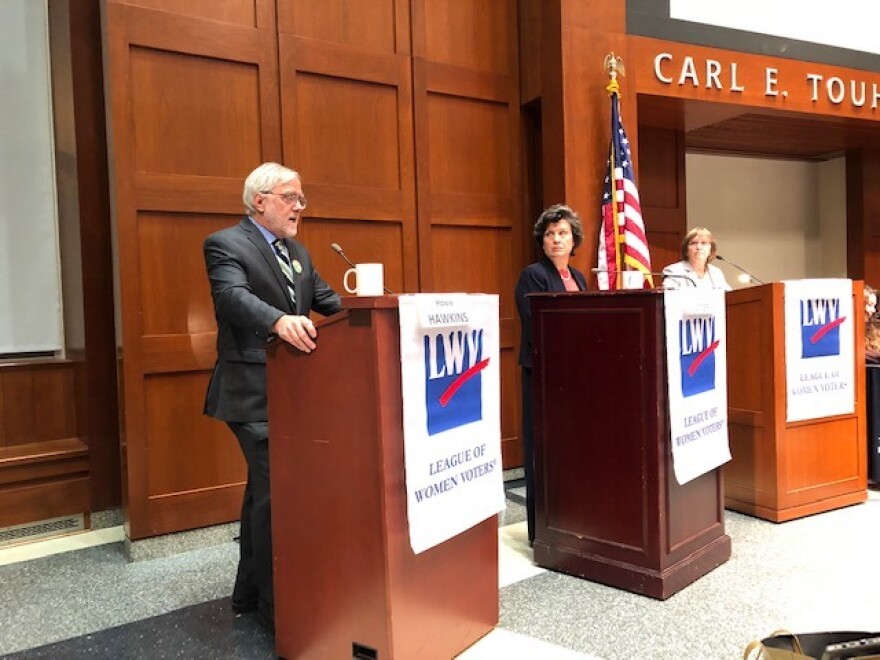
[337,248]
[751,277]
[675,276]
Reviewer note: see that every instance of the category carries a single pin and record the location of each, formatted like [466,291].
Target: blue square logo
[697,358]
[453,379]
[820,327]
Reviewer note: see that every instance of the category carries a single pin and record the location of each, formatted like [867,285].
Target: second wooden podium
[347,584]
[608,506]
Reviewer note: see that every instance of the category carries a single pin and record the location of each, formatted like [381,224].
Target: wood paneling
[187,452]
[241,12]
[863,215]
[365,242]
[97,408]
[198,100]
[195,106]
[168,249]
[662,190]
[468,157]
[478,36]
[468,147]
[379,26]
[583,122]
[481,261]
[348,132]
[346,100]
[37,402]
[46,476]
[219,136]
[530,54]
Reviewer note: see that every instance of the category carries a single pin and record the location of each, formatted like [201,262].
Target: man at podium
[263,286]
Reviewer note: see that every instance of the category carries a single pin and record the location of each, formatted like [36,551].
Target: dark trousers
[253,583]
[528,450]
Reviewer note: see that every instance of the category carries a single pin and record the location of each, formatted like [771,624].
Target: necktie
[284,261]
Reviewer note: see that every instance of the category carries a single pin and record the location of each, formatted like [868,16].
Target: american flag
[622,242]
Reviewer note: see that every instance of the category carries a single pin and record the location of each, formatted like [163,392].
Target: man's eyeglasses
[289,198]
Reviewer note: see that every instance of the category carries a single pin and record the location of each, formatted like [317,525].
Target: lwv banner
[819,347]
[450,380]
[696,359]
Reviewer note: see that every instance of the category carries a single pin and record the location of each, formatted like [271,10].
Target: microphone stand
[337,248]
[660,274]
[751,277]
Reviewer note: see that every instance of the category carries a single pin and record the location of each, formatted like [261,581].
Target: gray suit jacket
[250,294]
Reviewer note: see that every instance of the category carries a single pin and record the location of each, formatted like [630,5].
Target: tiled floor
[818,573]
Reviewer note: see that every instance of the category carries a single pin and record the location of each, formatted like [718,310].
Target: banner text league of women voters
[449,350]
[819,348]
[696,359]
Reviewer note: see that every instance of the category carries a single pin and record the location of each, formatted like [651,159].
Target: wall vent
[42,529]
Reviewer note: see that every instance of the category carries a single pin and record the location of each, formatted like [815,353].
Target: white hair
[262,180]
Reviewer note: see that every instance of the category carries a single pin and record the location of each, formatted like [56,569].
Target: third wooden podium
[608,507]
[347,584]
[785,470]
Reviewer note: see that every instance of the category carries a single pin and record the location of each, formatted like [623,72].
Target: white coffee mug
[369,280]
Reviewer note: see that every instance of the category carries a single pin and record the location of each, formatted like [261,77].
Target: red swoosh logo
[702,356]
[461,380]
[825,329]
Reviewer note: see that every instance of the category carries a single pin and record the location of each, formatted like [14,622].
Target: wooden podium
[347,583]
[780,470]
[608,507]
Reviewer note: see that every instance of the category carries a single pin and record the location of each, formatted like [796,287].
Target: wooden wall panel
[37,402]
[530,53]
[33,502]
[481,261]
[368,25]
[220,136]
[863,215]
[241,12]
[77,25]
[365,242]
[177,298]
[343,127]
[476,36]
[187,452]
[197,99]
[663,192]
[194,106]
[468,148]
[346,99]
[44,465]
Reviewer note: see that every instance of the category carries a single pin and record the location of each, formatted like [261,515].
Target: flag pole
[613,65]
[621,205]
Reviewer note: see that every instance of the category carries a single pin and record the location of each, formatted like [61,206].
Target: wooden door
[192,90]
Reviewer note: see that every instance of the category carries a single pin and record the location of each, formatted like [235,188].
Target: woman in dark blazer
[557,232]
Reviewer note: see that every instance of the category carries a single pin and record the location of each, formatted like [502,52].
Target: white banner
[819,347]
[449,352]
[696,366]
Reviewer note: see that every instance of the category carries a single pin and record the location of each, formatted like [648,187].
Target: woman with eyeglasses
[557,232]
[695,268]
